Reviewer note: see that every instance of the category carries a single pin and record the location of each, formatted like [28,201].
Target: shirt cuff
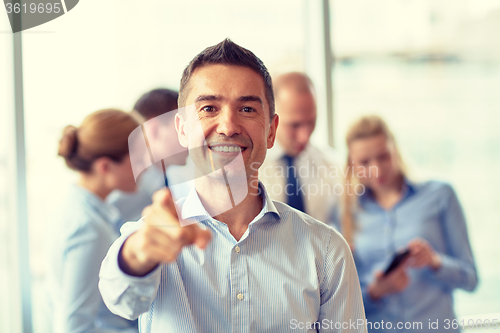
[131,295]
[447,271]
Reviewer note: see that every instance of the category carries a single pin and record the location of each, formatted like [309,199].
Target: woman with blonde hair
[385,213]
[86,225]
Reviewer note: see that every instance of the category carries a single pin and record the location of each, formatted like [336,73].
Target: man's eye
[208,108]
[247,109]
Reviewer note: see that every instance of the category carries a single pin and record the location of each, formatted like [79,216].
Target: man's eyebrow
[203,98]
[250,98]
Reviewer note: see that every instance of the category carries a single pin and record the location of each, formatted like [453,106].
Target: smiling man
[258,265]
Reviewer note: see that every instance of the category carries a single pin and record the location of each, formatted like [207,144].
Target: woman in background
[395,214]
[85,228]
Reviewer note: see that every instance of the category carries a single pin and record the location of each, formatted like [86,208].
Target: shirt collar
[268,206]
[409,188]
[192,208]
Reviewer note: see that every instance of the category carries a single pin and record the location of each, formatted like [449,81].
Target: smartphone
[397,260]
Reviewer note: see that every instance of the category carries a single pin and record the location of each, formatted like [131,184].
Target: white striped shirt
[288,272]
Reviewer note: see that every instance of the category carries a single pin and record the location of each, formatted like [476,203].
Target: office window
[432,70]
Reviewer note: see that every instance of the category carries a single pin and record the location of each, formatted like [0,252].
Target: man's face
[227,108]
[297,113]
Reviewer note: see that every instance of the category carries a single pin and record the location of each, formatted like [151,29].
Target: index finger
[163,198]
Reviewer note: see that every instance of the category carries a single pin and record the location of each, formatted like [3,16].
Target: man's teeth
[226,149]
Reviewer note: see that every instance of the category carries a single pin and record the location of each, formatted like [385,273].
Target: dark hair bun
[68,142]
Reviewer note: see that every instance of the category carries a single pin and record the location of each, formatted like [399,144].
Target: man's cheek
[196,136]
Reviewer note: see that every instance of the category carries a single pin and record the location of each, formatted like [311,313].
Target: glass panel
[10,299]
[432,70]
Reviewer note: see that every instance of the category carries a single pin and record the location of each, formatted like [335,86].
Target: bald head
[294,81]
[296,106]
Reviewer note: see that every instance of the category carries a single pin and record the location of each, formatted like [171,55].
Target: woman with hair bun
[395,214]
[85,228]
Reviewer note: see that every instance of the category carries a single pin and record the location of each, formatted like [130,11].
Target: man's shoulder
[305,224]
[323,155]
[437,192]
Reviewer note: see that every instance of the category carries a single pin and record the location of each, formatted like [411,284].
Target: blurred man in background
[295,171]
[148,109]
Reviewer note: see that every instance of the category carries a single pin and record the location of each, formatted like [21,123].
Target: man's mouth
[226,148]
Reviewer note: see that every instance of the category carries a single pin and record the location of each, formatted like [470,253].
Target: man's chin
[294,152]
[225,173]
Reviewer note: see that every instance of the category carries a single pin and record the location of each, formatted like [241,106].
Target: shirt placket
[390,231]
[240,297]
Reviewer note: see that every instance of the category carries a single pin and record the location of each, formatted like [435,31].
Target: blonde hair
[103,133]
[363,128]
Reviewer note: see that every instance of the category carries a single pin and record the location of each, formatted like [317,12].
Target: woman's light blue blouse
[431,211]
[77,243]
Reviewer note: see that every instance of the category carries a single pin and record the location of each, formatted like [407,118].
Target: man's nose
[228,123]
[304,134]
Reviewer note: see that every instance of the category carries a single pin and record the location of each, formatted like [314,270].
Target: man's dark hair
[156,102]
[227,53]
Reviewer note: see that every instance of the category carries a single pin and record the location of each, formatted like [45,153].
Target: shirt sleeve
[341,301]
[80,295]
[458,269]
[125,295]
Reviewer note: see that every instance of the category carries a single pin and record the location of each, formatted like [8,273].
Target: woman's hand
[423,255]
[395,282]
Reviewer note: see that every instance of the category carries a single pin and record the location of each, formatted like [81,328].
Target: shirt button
[239,296]
[144,299]
[237,249]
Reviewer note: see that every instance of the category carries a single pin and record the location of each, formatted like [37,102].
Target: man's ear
[271,137]
[180,127]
